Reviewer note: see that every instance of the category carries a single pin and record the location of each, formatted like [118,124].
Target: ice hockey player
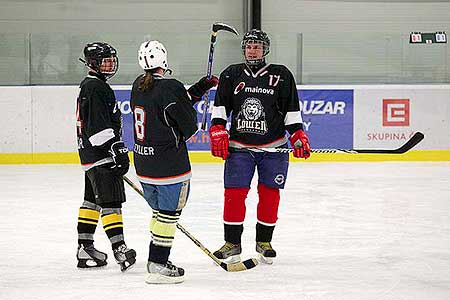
[163,120]
[263,103]
[104,158]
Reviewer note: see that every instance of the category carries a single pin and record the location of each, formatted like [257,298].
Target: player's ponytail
[146,82]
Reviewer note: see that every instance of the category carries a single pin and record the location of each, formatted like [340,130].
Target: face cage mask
[253,62]
[109,66]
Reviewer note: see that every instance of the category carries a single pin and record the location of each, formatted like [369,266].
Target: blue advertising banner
[200,141]
[123,100]
[327,118]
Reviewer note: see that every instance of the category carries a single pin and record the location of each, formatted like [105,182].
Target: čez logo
[396,112]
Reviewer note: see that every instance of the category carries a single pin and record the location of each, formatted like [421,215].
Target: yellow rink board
[205,157]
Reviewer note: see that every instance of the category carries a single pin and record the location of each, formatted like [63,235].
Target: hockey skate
[266,253]
[89,257]
[125,257]
[163,274]
[230,252]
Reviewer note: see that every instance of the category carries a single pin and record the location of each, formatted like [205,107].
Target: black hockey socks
[233,233]
[158,254]
[264,233]
[88,216]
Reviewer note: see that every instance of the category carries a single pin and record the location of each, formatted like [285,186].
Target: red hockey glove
[197,90]
[219,141]
[300,142]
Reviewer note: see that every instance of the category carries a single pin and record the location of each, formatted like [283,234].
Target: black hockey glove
[119,154]
[197,90]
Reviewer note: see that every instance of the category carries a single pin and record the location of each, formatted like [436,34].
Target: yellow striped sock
[88,216]
[112,221]
[164,230]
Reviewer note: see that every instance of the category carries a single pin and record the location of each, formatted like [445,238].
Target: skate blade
[87,264]
[264,260]
[156,278]
[127,265]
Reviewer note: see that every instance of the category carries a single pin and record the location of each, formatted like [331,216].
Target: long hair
[146,82]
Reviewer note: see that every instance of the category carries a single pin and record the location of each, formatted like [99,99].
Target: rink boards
[38,123]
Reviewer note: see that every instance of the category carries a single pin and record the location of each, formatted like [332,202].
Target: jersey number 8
[139,123]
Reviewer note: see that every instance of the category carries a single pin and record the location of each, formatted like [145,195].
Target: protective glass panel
[14,59]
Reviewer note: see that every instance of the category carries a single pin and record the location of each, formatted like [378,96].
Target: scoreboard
[439,37]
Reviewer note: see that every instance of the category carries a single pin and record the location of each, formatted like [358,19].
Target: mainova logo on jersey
[396,112]
[259,90]
[239,87]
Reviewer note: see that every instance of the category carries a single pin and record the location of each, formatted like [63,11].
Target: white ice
[345,231]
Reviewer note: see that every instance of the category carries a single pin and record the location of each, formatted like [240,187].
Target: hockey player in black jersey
[163,120]
[263,103]
[104,158]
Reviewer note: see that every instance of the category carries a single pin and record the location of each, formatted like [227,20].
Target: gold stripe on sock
[88,213]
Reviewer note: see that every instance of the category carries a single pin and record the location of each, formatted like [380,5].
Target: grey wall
[358,41]
[320,41]
[56,31]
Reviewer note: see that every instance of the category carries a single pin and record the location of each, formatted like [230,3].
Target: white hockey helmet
[152,55]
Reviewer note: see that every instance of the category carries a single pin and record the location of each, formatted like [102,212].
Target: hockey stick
[230,267]
[413,141]
[215,28]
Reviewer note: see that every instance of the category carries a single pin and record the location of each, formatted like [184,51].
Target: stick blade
[417,138]
[222,26]
[413,141]
[240,266]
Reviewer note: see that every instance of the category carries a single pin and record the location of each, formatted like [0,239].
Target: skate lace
[265,246]
[170,266]
[122,248]
[227,247]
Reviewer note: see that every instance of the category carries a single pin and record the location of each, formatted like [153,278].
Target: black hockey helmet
[256,36]
[102,58]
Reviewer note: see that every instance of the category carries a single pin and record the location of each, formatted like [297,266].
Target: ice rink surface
[345,231]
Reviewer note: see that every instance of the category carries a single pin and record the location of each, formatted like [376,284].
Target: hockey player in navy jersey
[263,103]
[164,119]
[104,158]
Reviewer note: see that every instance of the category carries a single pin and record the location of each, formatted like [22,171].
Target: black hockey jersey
[263,105]
[98,121]
[163,120]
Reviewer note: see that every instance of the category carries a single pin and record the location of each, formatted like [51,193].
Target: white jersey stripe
[274,144]
[266,224]
[219,112]
[233,223]
[293,117]
[165,180]
[102,137]
[100,162]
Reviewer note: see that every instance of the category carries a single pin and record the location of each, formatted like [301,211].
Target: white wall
[41,119]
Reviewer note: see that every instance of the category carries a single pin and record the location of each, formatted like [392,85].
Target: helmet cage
[256,36]
[102,58]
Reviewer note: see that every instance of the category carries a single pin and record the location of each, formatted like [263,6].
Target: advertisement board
[388,117]
[327,118]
